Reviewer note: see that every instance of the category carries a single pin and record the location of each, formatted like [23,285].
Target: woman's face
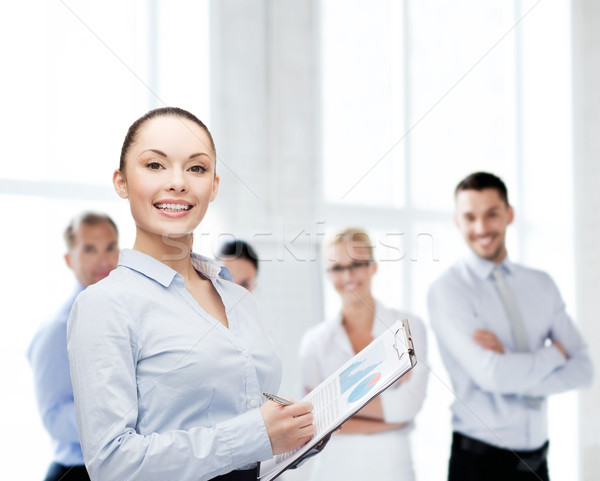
[350,269]
[169,177]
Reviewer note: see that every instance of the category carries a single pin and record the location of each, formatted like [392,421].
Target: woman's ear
[374,268]
[215,189]
[120,184]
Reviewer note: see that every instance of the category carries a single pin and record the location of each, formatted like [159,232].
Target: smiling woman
[171,337]
[174,182]
[373,444]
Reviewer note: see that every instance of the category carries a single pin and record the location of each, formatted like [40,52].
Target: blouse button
[245,354]
[253,403]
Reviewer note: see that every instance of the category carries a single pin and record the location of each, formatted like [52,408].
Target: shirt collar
[162,273]
[210,268]
[483,268]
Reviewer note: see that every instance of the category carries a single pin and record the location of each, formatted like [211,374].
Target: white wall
[586,166]
[265,124]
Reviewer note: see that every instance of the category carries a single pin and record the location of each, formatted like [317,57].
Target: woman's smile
[173,208]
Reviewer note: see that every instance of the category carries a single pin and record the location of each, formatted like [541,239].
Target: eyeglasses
[338,270]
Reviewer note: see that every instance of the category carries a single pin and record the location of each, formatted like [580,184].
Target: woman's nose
[347,274]
[177,182]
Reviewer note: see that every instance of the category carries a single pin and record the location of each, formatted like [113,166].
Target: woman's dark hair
[238,249]
[152,114]
[483,180]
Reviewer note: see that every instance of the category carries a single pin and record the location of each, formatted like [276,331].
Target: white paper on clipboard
[345,392]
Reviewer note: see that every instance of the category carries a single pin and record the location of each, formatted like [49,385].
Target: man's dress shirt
[490,387]
[49,362]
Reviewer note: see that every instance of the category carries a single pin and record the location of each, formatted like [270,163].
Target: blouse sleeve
[104,348]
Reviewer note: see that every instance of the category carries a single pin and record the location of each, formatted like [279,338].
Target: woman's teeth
[173,207]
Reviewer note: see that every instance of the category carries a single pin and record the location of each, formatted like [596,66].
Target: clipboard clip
[397,340]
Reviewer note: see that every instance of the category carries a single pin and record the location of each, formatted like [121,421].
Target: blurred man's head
[92,247]
[483,214]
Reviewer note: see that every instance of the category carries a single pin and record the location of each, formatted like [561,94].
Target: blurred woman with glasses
[374,444]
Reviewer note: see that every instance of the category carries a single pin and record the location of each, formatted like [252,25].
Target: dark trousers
[247,475]
[473,460]
[58,472]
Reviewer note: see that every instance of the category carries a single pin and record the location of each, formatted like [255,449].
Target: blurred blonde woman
[375,443]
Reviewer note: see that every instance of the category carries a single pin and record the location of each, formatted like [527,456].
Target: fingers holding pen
[305,424]
[289,426]
[301,411]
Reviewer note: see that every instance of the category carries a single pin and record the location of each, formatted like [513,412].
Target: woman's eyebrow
[193,156]
[162,154]
[156,151]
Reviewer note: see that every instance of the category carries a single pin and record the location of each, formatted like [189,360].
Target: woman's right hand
[288,427]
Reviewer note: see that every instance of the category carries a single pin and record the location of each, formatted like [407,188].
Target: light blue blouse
[490,387]
[163,391]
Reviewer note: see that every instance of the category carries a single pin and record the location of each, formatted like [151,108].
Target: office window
[439,90]
[362,86]
[77,73]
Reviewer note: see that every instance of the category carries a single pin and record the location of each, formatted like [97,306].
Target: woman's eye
[153,165]
[197,169]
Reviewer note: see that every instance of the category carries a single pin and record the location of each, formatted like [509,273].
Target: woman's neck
[359,315]
[172,251]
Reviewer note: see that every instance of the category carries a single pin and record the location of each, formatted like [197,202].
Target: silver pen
[277,399]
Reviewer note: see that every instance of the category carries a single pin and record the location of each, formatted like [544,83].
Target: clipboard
[345,392]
